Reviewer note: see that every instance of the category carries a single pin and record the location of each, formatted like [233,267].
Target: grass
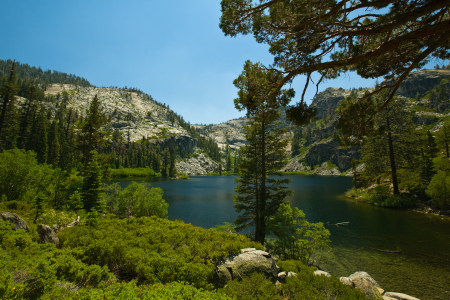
[134,172]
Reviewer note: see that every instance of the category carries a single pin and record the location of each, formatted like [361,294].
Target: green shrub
[153,250]
[439,190]
[296,238]
[305,285]
[256,287]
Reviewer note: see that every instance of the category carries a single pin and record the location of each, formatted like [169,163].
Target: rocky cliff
[137,116]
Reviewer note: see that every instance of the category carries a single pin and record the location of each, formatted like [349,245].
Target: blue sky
[173,50]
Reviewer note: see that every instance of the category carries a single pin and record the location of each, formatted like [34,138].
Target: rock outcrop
[47,235]
[244,265]
[199,165]
[421,81]
[14,219]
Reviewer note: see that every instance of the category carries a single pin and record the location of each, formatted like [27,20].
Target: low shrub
[256,287]
[305,285]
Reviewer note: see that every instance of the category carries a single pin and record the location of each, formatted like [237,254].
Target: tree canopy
[374,38]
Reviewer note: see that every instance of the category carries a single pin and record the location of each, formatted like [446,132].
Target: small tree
[92,185]
[439,190]
[138,200]
[296,238]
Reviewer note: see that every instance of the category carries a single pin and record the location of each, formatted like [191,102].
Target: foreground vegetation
[125,248]
[140,258]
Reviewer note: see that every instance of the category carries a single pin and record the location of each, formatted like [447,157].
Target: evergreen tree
[38,141]
[8,92]
[443,137]
[431,144]
[91,136]
[259,196]
[166,162]
[92,185]
[172,168]
[11,127]
[53,145]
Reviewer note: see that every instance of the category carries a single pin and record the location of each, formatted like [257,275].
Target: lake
[403,251]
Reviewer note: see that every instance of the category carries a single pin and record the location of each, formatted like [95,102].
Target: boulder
[346,281]
[321,273]
[244,265]
[47,235]
[364,282]
[14,219]
[400,296]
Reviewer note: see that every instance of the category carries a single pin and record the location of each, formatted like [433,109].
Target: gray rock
[321,273]
[47,235]
[346,281]
[400,296]
[291,274]
[244,265]
[247,250]
[14,219]
[364,282]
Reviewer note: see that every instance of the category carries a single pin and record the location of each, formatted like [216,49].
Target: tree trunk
[262,234]
[392,159]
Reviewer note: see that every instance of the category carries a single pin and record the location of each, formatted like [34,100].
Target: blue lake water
[404,251]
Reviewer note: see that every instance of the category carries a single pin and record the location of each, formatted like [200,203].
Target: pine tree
[11,126]
[443,137]
[91,136]
[260,196]
[172,168]
[166,162]
[92,191]
[8,92]
[53,145]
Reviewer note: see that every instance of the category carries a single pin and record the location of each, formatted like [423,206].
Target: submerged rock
[364,282]
[14,219]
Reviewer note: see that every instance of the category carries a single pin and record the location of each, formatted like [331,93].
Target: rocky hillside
[137,116]
[319,151]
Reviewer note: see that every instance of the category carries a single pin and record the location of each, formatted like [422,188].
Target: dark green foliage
[22,178]
[75,202]
[256,287]
[91,135]
[91,191]
[53,145]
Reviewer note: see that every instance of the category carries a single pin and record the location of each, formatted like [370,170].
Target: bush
[439,190]
[153,250]
[307,286]
[138,200]
[296,238]
[256,287]
[22,178]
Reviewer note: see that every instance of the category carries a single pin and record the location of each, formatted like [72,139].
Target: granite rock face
[14,219]
[197,165]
